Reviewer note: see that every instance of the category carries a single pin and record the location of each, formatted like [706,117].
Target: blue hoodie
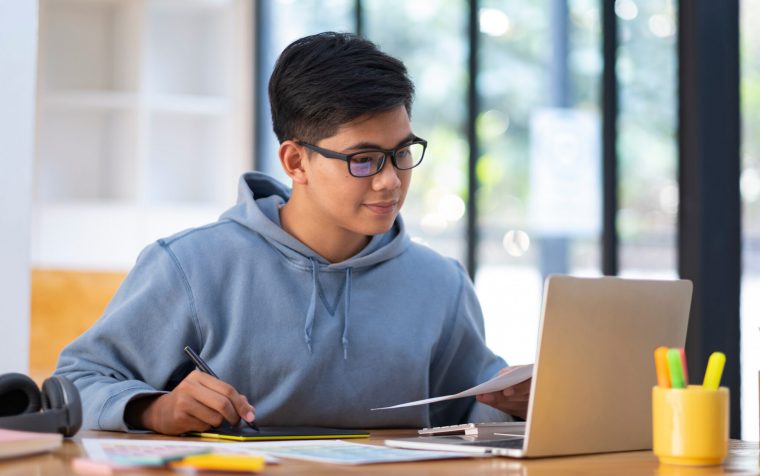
[308,342]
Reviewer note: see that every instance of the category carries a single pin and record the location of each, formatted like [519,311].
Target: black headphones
[56,409]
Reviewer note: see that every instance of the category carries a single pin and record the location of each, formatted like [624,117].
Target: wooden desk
[743,459]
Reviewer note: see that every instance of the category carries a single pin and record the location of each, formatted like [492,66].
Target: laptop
[594,369]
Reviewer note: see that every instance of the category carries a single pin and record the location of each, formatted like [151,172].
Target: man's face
[368,205]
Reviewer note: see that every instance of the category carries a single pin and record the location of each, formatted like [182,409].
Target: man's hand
[512,400]
[198,403]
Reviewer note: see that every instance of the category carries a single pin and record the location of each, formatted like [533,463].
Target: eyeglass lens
[370,162]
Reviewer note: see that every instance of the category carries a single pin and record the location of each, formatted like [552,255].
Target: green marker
[714,370]
[676,369]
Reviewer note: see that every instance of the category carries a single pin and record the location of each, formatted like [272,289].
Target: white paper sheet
[344,452]
[109,449]
[513,376]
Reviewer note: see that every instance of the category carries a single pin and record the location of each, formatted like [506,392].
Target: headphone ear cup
[18,395]
[52,395]
[60,394]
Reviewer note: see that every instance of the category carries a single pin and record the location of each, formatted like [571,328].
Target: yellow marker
[221,462]
[661,365]
[714,370]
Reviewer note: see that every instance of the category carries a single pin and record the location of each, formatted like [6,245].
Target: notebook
[280,433]
[20,443]
[592,380]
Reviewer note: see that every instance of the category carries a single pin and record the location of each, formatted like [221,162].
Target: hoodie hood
[259,200]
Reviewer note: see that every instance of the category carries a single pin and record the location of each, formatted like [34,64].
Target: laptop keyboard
[516,443]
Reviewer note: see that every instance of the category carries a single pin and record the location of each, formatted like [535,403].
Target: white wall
[18,62]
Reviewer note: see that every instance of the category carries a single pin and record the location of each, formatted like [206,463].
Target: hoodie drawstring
[312,310]
[346,306]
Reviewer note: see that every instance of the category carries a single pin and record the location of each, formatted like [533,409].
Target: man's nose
[388,177]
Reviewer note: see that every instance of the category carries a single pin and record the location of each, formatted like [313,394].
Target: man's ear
[293,158]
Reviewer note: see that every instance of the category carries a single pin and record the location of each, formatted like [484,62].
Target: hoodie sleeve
[462,360]
[135,348]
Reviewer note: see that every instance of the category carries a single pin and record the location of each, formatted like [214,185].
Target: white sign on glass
[565,185]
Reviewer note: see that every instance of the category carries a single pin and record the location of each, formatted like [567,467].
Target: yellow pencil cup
[690,425]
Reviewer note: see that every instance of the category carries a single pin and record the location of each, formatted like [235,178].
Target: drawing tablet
[280,433]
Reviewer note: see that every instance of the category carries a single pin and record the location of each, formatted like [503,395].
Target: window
[279,23]
[539,169]
[430,37]
[647,143]
[750,192]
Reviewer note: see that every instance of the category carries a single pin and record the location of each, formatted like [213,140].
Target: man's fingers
[524,386]
[217,385]
[197,413]
[513,400]
[486,398]
[194,424]
[241,407]
[216,395]
[187,410]
[502,400]
[245,409]
[219,403]
[227,401]
[182,422]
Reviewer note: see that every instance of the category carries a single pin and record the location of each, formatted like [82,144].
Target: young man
[312,303]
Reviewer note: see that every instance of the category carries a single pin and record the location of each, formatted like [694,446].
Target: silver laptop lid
[591,391]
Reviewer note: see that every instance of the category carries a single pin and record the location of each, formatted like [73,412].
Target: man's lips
[382,207]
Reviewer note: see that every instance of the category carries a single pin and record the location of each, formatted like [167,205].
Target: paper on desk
[111,449]
[512,376]
[344,452]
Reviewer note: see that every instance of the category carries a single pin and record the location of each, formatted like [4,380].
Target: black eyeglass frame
[331,154]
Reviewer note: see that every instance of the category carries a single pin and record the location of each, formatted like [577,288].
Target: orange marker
[661,364]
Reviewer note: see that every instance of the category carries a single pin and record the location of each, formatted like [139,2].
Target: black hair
[323,81]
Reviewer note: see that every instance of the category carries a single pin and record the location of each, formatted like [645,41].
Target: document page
[343,452]
[513,376]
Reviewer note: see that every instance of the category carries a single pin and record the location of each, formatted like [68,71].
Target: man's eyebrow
[371,145]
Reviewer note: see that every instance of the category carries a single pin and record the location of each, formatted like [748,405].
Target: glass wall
[750,192]
[430,37]
[647,143]
[539,170]
[285,21]
[292,19]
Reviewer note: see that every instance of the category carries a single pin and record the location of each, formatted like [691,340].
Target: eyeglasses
[367,163]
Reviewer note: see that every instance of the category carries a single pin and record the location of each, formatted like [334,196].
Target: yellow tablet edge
[275,438]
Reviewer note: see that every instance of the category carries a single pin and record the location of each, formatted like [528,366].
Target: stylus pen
[203,366]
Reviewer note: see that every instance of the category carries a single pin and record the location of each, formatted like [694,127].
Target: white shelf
[182,163]
[86,155]
[82,99]
[114,100]
[91,45]
[107,235]
[189,104]
[189,51]
[143,126]
[196,4]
